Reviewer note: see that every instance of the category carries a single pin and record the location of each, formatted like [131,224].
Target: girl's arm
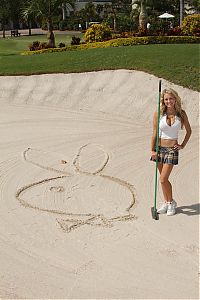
[188,133]
[153,139]
[188,130]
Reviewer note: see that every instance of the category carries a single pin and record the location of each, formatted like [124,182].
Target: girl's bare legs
[165,171]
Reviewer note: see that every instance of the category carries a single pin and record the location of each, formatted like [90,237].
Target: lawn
[16,45]
[178,63]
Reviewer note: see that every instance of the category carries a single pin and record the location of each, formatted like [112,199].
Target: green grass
[16,45]
[178,63]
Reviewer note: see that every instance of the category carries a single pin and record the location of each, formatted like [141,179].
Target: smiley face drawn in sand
[80,194]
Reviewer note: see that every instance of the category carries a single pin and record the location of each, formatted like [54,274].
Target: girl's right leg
[166,185]
[160,168]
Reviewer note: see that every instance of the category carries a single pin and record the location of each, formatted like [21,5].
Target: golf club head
[154,213]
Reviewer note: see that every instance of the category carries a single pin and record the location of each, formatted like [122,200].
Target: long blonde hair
[178,106]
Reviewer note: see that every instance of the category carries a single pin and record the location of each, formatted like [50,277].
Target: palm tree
[4,14]
[195,4]
[139,7]
[143,15]
[66,9]
[45,10]
[117,8]
[181,11]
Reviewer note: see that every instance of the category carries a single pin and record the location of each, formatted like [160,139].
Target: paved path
[36,31]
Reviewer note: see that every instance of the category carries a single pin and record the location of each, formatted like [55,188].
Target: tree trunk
[114,19]
[50,35]
[181,11]
[4,31]
[63,11]
[143,17]
[29,28]
[51,39]
[114,23]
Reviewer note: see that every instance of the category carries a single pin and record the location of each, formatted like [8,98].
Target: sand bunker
[77,187]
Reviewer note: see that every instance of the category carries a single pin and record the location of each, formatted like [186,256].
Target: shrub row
[123,42]
[36,45]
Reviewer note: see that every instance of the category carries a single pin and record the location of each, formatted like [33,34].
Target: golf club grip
[160,86]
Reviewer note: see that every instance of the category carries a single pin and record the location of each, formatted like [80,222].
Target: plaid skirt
[167,155]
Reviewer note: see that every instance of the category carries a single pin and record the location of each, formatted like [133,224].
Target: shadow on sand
[190,210]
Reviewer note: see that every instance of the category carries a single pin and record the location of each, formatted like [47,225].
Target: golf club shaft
[157,140]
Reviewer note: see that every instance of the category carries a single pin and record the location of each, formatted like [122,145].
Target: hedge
[123,42]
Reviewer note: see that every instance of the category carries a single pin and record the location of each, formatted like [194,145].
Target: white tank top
[169,132]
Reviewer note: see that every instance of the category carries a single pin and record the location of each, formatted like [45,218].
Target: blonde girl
[172,119]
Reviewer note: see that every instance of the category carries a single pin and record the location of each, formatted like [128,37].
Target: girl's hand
[178,147]
[153,154]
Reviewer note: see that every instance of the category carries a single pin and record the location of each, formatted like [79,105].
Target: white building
[81,3]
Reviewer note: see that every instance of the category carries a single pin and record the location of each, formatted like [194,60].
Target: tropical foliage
[89,13]
[144,11]
[120,15]
[98,33]
[44,11]
[195,4]
[191,25]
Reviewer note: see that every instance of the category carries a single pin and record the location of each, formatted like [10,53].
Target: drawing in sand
[70,201]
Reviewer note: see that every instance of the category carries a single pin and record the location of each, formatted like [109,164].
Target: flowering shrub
[175,31]
[61,45]
[75,40]
[142,32]
[123,42]
[191,25]
[36,45]
[98,33]
[125,34]
[43,45]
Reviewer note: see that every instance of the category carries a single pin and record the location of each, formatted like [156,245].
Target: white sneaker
[171,208]
[163,208]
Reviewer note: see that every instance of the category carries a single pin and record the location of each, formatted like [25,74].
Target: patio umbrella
[166,16]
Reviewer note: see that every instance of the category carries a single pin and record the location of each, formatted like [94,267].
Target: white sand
[81,225]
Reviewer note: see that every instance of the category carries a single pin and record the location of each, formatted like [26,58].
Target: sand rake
[154,213]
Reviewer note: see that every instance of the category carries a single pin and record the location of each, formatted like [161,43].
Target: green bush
[61,45]
[36,45]
[70,23]
[175,31]
[63,25]
[55,23]
[75,40]
[191,25]
[123,23]
[98,33]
